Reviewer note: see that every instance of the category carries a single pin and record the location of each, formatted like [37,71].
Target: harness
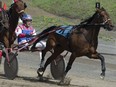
[65,30]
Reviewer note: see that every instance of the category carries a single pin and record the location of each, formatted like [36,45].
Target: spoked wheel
[11,69]
[57,67]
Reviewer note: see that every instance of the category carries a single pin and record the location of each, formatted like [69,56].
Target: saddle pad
[65,30]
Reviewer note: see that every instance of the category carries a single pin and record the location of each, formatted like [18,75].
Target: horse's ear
[100,10]
[0,4]
[97,5]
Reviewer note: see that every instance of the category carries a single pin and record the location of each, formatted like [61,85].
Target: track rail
[109,54]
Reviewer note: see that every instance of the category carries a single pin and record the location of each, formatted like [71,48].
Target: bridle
[106,21]
[4,17]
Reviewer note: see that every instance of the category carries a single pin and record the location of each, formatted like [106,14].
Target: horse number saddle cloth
[65,30]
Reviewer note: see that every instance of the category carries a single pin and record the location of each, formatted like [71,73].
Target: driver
[25,30]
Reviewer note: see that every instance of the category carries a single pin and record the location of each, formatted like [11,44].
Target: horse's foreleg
[69,65]
[103,68]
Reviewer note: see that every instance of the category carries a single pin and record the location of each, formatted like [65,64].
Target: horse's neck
[13,19]
[92,34]
[93,31]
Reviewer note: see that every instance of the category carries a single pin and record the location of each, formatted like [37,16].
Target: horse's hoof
[102,76]
[39,72]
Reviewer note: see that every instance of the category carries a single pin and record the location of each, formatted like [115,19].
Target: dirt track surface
[84,72]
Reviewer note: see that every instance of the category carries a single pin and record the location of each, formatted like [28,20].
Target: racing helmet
[26,17]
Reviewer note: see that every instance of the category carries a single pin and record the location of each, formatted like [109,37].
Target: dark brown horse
[8,22]
[82,41]
[14,13]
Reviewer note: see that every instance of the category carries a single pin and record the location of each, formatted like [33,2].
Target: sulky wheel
[57,67]
[11,68]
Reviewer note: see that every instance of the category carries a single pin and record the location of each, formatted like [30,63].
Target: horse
[8,23]
[14,13]
[82,41]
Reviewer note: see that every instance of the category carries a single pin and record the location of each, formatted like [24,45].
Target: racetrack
[84,72]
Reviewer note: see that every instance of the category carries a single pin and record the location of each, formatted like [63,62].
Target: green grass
[80,9]
[43,22]
[75,9]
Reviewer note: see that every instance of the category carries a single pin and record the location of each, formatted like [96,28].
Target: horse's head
[105,18]
[19,6]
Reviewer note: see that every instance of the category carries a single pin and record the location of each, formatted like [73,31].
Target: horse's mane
[10,9]
[88,20]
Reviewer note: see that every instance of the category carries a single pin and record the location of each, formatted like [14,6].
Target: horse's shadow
[45,80]
[36,79]
[49,81]
[31,79]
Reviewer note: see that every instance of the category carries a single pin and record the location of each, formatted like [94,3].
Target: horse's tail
[44,34]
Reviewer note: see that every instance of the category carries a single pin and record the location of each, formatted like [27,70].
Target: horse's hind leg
[50,44]
[42,59]
[57,51]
